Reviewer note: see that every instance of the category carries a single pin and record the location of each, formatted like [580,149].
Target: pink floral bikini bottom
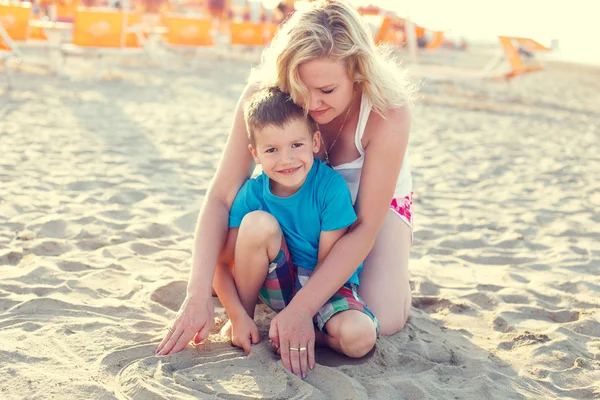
[402,207]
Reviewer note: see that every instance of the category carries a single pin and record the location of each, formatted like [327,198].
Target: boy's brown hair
[271,107]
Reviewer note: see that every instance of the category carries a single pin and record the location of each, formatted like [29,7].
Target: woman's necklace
[336,136]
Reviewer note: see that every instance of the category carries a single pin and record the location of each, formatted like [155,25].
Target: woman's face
[329,87]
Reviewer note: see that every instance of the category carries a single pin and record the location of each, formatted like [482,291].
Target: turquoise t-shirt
[323,203]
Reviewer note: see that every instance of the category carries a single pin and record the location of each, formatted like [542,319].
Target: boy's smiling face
[286,154]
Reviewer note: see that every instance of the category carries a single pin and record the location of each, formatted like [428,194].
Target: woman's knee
[394,319]
[354,331]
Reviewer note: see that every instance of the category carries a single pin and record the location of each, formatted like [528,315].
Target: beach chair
[392,31]
[249,38]
[5,40]
[270,30]
[188,31]
[65,10]
[37,33]
[531,45]
[507,64]
[101,33]
[15,19]
[370,10]
[250,34]
[8,50]
[382,33]
[518,66]
[436,42]
[189,34]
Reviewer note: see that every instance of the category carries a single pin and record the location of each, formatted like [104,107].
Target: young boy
[283,223]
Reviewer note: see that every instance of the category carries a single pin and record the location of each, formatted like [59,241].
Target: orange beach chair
[250,37]
[515,61]
[188,31]
[436,42]
[248,34]
[105,32]
[506,65]
[8,49]
[66,9]
[15,19]
[189,34]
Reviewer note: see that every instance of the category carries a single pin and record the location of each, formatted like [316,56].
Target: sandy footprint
[525,338]
[170,295]
[10,257]
[435,304]
[49,248]
[501,325]
[125,197]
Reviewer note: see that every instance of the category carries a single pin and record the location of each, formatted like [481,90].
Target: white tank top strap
[352,171]
[363,117]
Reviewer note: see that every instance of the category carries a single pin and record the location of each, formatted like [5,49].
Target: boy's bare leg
[258,242]
[351,333]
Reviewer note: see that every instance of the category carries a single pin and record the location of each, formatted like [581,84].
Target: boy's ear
[317,141]
[254,154]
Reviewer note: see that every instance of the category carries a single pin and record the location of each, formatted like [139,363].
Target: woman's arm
[384,153]
[326,241]
[195,316]
[211,229]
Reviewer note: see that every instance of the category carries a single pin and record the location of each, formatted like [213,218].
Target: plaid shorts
[284,280]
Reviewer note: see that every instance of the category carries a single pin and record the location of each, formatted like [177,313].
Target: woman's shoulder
[392,123]
[392,115]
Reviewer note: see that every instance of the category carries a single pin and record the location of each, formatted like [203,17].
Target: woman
[325,58]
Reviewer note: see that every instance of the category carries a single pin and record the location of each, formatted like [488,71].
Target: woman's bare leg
[384,284]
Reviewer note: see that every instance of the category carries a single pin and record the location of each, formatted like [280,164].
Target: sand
[101,182]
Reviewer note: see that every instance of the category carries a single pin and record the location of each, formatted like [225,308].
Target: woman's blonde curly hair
[333,29]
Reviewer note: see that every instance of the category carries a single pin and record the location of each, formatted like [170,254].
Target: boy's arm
[326,241]
[223,282]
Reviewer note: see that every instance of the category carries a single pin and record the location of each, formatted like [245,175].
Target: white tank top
[351,171]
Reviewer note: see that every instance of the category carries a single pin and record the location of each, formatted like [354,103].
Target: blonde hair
[333,29]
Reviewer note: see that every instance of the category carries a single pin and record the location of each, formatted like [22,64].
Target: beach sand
[101,182]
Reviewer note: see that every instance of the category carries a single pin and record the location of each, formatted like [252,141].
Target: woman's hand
[293,333]
[194,320]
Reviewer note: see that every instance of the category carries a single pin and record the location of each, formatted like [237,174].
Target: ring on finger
[170,329]
[302,349]
[294,349]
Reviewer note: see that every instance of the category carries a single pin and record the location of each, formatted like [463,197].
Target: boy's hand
[243,332]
